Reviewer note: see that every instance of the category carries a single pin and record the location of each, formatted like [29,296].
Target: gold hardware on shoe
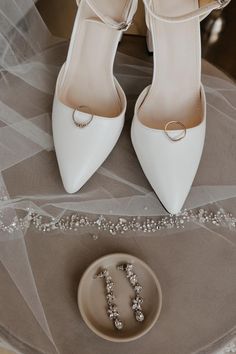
[81,124]
[181,136]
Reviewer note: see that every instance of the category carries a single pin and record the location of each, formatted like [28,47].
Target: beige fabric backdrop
[55,12]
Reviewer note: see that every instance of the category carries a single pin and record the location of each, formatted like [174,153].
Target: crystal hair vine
[121,225]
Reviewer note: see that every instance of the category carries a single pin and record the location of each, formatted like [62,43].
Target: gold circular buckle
[80,124]
[175,138]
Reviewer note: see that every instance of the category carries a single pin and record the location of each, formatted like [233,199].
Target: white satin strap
[201,12]
[119,26]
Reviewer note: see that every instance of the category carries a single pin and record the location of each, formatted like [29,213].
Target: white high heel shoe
[168,129]
[89,104]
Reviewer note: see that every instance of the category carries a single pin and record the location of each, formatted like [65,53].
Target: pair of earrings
[136,302]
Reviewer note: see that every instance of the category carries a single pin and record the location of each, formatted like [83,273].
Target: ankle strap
[119,26]
[200,12]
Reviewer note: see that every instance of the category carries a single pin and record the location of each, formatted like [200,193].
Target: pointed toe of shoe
[172,192]
[81,151]
[173,204]
[170,166]
[72,180]
[174,209]
[79,159]
[70,189]
[77,169]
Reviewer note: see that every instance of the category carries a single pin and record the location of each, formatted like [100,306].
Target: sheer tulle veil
[29,182]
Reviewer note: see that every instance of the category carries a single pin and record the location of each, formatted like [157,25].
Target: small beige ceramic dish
[92,301]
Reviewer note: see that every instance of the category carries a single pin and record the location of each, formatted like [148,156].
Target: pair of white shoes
[168,129]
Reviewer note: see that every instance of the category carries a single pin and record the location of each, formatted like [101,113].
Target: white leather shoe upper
[169,166]
[81,151]
[89,104]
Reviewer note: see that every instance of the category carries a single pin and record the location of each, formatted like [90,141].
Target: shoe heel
[121,37]
[149,42]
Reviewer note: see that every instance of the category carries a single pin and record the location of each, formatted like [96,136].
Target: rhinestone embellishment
[121,226]
[112,310]
[137,301]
